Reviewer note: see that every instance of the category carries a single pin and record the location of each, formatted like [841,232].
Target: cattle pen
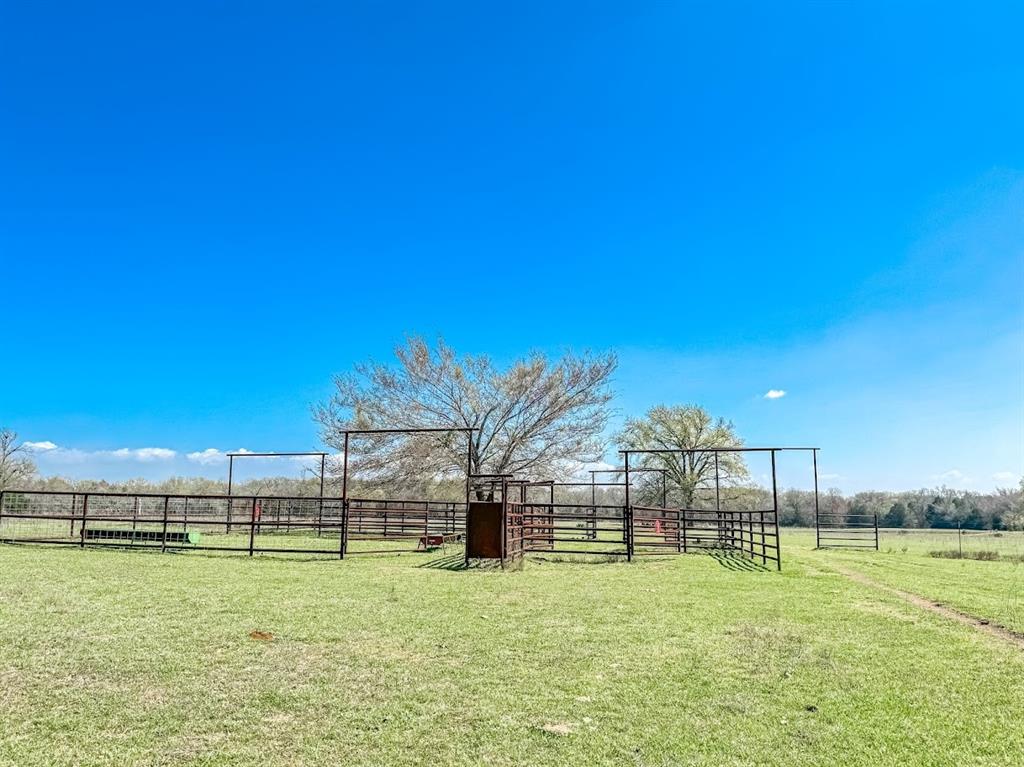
[497,517]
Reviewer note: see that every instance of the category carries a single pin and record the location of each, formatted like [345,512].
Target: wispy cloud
[212,456]
[42,446]
[52,452]
[775,394]
[953,477]
[209,457]
[144,454]
[1005,476]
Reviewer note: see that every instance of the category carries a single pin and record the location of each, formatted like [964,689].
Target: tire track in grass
[980,624]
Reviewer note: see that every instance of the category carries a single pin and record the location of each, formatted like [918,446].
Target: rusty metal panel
[484,530]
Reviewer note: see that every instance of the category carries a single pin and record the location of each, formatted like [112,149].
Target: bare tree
[535,418]
[15,465]
[690,428]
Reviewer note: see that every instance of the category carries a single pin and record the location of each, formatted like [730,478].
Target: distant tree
[15,464]
[896,516]
[535,418]
[690,428]
[1008,508]
[796,508]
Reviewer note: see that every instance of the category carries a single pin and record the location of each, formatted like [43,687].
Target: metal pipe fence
[841,530]
[629,531]
[566,529]
[337,527]
[244,524]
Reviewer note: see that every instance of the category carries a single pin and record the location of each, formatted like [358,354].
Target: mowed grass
[993,590]
[138,658]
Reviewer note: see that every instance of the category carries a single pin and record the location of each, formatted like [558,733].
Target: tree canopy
[15,464]
[535,417]
[690,428]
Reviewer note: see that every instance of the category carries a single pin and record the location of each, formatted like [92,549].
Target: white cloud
[212,456]
[52,453]
[953,477]
[44,446]
[831,476]
[144,454]
[207,457]
[1004,476]
[775,394]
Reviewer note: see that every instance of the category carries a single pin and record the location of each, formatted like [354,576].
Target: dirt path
[979,624]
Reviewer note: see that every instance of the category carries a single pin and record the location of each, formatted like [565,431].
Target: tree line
[939,508]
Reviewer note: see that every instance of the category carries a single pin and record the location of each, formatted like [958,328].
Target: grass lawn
[122,658]
[986,589]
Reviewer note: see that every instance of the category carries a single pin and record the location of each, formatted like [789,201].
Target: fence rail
[566,529]
[839,530]
[247,524]
[336,527]
[639,531]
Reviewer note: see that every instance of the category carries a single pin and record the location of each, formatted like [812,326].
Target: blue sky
[210,208]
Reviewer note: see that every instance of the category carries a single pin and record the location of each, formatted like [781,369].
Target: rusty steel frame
[833,530]
[527,526]
[664,481]
[727,519]
[349,433]
[275,454]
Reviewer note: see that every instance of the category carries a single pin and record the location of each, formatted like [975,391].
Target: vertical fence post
[504,522]
[469,467]
[551,517]
[252,526]
[344,531]
[592,522]
[231,471]
[627,532]
[343,544]
[775,515]
[876,532]
[718,501]
[320,513]
[817,524]
[627,523]
[163,535]
[81,532]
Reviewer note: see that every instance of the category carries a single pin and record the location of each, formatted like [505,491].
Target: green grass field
[992,590]
[138,658]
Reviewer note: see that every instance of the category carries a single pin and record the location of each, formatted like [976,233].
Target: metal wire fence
[246,524]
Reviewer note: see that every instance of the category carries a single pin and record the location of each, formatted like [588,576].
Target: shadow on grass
[731,559]
[457,561]
[577,559]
